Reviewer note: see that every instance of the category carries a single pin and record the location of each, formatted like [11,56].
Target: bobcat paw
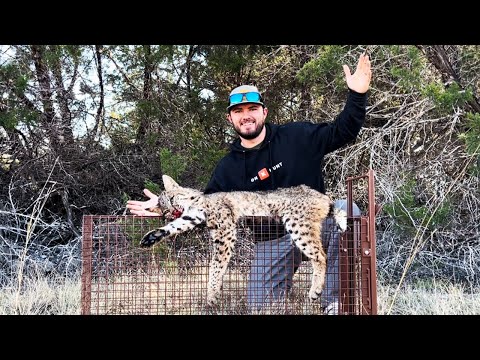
[213,309]
[152,237]
[212,299]
[314,293]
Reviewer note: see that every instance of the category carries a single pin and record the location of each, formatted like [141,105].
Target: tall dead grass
[61,296]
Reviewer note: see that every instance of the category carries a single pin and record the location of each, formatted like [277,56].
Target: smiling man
[247,114]
[268,156]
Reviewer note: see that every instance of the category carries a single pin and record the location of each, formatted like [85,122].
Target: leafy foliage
[446,98]
[409,74]
[173,165]
[472,135]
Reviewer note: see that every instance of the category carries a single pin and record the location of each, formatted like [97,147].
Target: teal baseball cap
[244,94]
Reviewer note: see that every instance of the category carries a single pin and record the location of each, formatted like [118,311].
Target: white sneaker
[332,308]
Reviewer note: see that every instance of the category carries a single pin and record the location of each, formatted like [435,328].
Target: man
[268,156]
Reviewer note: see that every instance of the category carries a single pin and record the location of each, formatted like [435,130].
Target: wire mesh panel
[124,278]
[358,287]
[120,277]
[266,274]
[353,285]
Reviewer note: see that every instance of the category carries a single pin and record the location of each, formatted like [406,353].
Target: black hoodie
[291,154]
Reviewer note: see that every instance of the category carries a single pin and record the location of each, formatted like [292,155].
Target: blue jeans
[276,261]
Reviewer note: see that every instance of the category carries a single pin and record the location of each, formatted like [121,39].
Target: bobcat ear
[169,183]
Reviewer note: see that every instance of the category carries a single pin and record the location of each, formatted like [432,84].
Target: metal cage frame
[108,254]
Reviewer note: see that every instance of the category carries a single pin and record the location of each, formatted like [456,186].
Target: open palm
[359,81]
[140,207]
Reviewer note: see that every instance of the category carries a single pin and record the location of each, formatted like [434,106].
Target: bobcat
[301,209]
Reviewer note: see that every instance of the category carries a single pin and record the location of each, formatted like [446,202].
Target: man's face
[248,119]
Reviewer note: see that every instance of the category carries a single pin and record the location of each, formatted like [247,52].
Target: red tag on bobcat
[263,174]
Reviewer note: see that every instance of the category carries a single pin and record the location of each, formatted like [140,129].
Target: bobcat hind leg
[313,249]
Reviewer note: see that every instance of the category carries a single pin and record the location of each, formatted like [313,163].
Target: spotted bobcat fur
[300,208]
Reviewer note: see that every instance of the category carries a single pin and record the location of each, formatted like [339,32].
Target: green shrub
[446,98]
[173,165]
[409,213]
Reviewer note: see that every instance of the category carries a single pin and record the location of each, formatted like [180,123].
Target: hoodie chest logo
[263,174]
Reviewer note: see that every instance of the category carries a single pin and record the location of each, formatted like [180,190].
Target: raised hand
[140,207]
[359,81]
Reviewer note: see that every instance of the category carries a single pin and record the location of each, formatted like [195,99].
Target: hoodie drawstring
[270,164]
[244,168]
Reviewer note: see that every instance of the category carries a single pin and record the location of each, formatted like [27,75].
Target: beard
[252,134]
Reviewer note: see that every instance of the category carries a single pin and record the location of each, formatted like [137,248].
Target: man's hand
[359,81]
[140,207]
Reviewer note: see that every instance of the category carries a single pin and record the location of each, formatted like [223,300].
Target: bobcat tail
[340,217]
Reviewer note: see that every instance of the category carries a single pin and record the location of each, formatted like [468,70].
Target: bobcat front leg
[223,243]
[187,221]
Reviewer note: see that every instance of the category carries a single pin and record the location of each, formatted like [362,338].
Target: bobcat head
[179,198]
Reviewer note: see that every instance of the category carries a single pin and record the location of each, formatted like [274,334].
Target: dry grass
[42,295]
[429,299]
